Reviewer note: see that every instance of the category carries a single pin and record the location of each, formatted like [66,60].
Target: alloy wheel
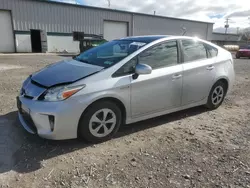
[102,123]
[217,95]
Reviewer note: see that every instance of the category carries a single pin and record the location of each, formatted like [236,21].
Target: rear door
[198,71]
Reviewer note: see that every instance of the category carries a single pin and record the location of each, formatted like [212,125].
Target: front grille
[28,120]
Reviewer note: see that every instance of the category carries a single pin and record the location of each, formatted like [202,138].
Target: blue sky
[216,16]
[209,10]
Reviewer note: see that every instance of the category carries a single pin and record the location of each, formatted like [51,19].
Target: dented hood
[67,71]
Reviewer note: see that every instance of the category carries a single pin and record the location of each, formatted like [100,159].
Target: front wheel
[100,122]
[216,95]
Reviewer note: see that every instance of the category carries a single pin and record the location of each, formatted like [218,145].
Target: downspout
[207,33]
[133,25]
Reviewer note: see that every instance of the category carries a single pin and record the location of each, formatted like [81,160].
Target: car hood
[67,71]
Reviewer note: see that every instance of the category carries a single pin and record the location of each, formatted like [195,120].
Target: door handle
[210,67]
[176,76]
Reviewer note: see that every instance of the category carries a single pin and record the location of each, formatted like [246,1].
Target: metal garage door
[115,30]
[6,32]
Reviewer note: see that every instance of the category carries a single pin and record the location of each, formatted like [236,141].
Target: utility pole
[227,25]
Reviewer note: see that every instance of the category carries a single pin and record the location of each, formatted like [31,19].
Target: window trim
[137,59]
[182,52]
[206,46]
[125,74]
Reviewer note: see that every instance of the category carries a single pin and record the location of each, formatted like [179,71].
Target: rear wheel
[216,95]
[100,122]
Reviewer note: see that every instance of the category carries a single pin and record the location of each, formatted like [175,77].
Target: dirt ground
[191,148]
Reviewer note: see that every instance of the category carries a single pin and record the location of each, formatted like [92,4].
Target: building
[226,39]
[40,26]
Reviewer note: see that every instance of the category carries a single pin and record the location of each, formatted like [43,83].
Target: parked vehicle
[244,51]
[232,48]
[122,82]
[88,44]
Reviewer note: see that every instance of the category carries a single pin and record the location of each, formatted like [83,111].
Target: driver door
[161,89]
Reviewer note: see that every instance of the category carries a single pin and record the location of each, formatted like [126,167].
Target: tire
[219,90]
[92,124]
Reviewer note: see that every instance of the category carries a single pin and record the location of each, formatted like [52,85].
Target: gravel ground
[191,148]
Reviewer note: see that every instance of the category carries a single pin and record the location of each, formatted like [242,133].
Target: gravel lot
[192,148]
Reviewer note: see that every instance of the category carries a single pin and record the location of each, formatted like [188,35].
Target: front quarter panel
[100,86]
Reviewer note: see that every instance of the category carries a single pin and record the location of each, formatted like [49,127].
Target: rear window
[211,51]
[193,50]
[196,50]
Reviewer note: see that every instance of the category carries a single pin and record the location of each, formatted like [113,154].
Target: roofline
[122,11]
[226,34]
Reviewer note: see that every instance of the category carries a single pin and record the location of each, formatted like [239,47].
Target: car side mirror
[143,69]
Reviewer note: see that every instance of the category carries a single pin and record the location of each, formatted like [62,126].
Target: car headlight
[61,92]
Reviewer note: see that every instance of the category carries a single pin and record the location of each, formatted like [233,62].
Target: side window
[161,55]
[211,51]
[127,68]
[193,50]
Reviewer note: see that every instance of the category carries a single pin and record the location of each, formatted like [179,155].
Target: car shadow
[24,153]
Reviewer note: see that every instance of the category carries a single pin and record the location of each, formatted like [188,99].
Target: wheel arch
[115,100]
[224,80]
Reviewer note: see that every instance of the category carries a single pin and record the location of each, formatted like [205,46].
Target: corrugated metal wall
[145,25]
[51,17]
[62,18]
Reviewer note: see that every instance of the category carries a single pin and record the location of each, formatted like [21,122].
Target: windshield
[109,53]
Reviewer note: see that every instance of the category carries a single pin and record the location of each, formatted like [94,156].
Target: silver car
[122,82]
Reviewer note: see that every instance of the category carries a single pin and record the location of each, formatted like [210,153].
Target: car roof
[146,38]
